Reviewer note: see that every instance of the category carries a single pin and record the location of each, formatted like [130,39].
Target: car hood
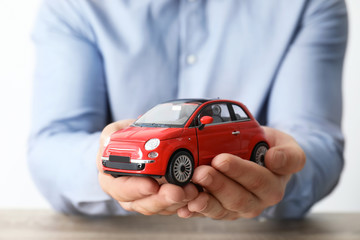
[143,134]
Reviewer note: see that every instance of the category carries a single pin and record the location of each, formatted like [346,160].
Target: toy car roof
[190,100]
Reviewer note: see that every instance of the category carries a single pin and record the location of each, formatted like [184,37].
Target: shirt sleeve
[70,109]
[306,102]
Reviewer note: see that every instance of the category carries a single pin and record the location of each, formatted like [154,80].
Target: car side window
[218,111]
[239,113]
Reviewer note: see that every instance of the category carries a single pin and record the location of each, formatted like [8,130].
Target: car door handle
[235,132]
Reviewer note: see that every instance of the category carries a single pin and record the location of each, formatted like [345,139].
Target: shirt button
[191,59]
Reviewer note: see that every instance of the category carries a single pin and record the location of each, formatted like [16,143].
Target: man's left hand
[236,188]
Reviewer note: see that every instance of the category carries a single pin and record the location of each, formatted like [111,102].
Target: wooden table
[45,224]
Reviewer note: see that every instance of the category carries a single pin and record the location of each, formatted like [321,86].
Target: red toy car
[175,137]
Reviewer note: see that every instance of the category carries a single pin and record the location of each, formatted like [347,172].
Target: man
[105,61]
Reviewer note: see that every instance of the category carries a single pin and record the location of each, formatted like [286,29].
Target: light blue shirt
[103,61]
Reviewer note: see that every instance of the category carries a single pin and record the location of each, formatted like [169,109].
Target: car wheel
[258,154]
[180,169]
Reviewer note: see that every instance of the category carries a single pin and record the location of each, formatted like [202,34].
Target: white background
[16,71]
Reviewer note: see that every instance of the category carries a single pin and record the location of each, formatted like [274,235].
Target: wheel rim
[260,155]
[182,168]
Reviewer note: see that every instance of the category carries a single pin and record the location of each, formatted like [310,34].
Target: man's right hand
[142,194]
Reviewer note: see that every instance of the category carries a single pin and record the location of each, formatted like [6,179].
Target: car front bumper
[124,163]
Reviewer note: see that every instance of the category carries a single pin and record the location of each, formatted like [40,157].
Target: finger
[167,213]
[167,196]
[113,127]
[191,192]
[285,160]
[126,206]
[232,195]
[268,187]
[98,160]
[126,188]
[185,213]
[285,156]
[210,207]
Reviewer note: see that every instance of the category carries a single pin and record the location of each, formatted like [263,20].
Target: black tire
[258,154]
[180,168]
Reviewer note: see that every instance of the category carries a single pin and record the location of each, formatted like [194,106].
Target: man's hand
[142,194]
[236,188]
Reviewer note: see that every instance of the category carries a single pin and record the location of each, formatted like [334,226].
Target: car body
[175,137]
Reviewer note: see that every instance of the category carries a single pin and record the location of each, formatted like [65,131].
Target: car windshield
[167,115]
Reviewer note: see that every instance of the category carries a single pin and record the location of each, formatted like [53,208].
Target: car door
[221,136]
[245,129]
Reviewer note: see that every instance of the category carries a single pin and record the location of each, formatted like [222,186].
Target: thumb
[286,159]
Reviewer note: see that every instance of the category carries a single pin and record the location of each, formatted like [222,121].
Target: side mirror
[205,120]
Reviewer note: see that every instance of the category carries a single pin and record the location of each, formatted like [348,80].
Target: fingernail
[279,160]
[224,166]
[185,212]
[207,180]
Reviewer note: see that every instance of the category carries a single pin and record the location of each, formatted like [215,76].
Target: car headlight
[107,141]
[152,144]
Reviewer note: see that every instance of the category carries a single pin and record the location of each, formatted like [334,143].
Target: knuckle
[219,215]
[257,184]
[203,206]
[218,186]
[142,210]
[146,188]
[246,203]
[236,205]
[117,196]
